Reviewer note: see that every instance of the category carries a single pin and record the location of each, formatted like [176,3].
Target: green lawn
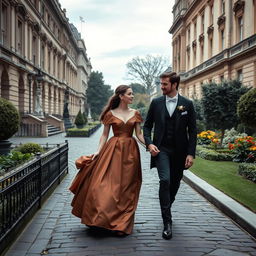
[224,176]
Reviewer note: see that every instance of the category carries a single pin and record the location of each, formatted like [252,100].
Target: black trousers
[169,182]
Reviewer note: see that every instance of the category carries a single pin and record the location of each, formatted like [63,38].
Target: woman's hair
[114,101]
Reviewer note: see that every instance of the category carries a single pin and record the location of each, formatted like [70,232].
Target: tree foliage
[79,118]
[200,122]
[246,108]
[219,103]
[98,93]
[9,119]
[138,88]
[146,70]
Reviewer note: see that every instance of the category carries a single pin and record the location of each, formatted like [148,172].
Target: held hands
[189,161]
[153,149]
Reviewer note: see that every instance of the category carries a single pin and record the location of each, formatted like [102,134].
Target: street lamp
[39,76]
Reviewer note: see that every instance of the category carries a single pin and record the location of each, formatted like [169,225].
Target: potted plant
[9,124]
[79,121]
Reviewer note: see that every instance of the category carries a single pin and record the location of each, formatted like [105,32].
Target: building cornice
[183,15]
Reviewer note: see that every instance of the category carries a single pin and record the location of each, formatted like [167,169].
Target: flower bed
[236,147]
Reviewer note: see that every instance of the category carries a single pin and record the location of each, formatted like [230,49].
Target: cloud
[117,30]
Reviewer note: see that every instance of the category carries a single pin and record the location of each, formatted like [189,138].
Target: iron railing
[22,191]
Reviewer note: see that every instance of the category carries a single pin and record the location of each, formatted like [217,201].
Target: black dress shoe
[167,232]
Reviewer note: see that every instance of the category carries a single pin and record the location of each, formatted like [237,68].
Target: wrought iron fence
[23,189]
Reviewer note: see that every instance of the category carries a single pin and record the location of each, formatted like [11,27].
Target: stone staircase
[52,130]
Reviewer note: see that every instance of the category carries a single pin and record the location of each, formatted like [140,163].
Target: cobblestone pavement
[198,227]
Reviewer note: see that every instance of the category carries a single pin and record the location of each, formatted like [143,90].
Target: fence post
[38,156]
[66,141]
[58,145]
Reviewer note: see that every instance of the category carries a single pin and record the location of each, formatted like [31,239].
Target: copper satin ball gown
[107,188]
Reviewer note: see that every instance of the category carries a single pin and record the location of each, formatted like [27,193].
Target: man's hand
[153,149]
[189,161]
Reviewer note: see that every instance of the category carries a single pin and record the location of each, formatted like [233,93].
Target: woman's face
[128,96]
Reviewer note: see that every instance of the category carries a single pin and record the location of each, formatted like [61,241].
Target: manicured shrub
[213,155]
[86,131]
[79,121]
[9,119]
[248,170]
[30,147]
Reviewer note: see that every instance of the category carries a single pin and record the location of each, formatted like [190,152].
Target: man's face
[166,86]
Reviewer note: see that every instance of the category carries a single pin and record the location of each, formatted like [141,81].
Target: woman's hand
[153,149]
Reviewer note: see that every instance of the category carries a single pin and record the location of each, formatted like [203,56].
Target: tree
[79,121]
[98,93]
[246,108]
[219,103]
[146,70]
[200,124]
[138,88]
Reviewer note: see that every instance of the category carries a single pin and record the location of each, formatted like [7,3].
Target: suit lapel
[162,107]
[177,112]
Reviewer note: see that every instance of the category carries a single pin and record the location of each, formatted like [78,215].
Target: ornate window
[4,26]
[34,49]
[202,23]
[43,56]
[222,39]
[195,30]
[240,75]
[240,28]
[19,37]
[211,14]
[210,47]
[222,6]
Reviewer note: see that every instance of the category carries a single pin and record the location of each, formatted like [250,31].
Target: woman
[107,187]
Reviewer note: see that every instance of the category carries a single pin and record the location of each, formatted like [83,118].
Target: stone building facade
[213,40]
[43,60]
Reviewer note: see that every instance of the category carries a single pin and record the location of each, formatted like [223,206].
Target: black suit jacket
[185,133]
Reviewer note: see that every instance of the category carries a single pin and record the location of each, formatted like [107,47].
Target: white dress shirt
[171,103]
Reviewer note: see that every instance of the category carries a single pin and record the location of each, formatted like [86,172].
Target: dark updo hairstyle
[114,101]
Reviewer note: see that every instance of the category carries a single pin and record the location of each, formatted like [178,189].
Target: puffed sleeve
[107,118]
[138,118]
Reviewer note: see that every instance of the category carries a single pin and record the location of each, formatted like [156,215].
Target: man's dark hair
[173,77]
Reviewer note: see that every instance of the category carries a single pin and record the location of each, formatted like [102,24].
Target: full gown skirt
[106,189]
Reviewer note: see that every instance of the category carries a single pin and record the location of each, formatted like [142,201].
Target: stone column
[183,51]
[13,28]
[26,40]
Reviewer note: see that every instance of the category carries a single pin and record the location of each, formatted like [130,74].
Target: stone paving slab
[199,228]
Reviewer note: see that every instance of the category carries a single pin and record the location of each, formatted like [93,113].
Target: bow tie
[174,100]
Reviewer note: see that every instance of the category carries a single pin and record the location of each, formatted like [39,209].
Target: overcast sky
[115,31]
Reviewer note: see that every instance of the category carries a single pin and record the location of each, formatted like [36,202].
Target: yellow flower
[253,148]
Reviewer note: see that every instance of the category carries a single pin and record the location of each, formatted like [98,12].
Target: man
[174,142]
